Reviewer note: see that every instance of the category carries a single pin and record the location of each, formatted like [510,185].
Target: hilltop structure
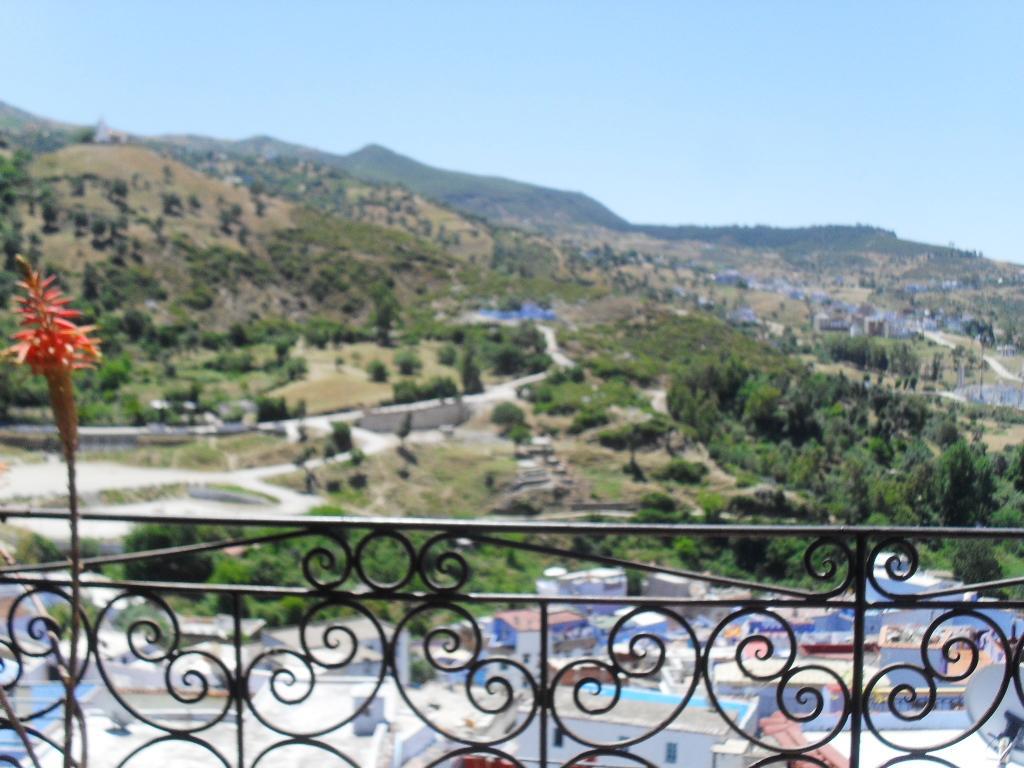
[104,134]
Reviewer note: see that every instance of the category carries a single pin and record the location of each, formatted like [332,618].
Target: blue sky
[908,115]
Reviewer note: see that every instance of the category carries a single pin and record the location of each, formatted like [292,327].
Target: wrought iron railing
[395,648]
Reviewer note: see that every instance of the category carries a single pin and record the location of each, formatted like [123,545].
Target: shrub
[271,408]
[447,355]
[341,436]
[408,362]
[196,566]
[114,373]
[712,504]
[296,369]
[636,435]
[587,419]
[232,361]
[682,471]
[378,371]
[660,501]
[520,434]
[521,507]
[410,391]
[652,515]
[507,415]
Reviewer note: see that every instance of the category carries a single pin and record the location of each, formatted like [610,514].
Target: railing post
[545,698]
[857,683]
[239,693]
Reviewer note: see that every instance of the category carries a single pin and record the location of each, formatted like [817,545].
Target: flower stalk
[52,344]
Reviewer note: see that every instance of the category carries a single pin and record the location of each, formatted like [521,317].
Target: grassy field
[778,308]
[330,386]
[445,480]
[213,454]
[997,436]
[147,493]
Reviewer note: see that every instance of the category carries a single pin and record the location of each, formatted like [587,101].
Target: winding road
[992,362]
[47,479]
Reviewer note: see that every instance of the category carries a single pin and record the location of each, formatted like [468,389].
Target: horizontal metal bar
[517,598]
[489,597]
[146,554]
[977,587]
[318,522]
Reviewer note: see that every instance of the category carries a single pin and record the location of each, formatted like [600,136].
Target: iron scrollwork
[411,595]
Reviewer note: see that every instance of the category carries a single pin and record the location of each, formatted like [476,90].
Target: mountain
[489,197]
[517,204]
[126,226]
[827,239]
[14,119]
[35,133]
[500,201]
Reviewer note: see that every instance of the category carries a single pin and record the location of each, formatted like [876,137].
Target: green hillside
[126,226]
[493,198]
[499,200]
[458,211]
[832,239]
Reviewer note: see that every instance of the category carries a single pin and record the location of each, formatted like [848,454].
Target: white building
[331,640]
[689,739]
[593,582]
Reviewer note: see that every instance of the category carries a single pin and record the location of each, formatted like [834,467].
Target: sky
[905,115]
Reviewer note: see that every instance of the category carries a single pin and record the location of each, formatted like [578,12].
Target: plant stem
[19,727]
[8,558]
[76,608]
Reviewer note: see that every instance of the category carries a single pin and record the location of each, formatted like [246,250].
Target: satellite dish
[1004,729]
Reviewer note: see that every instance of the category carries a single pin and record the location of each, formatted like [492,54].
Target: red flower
[49,340]
[52,345]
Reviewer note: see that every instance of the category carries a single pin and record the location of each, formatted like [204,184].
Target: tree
[974,561]
[404,428]
[761,405]
[341,437]
[226,220]
[98,227]
[92,282]
[1016,468]
[385,311]
[172,204]
[185,567]
[119,189]
[51,212]
[964,486]
[447,355]
[10,240]
[698,410]
[296,369]
[470,372]
[519,434]
[81,221]
[408,362]
[507,415]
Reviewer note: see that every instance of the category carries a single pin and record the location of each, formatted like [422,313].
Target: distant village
[836,316]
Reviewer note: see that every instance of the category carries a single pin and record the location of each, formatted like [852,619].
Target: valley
[259,302]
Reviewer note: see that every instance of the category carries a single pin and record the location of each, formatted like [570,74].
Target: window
[559,737]
[671,752]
